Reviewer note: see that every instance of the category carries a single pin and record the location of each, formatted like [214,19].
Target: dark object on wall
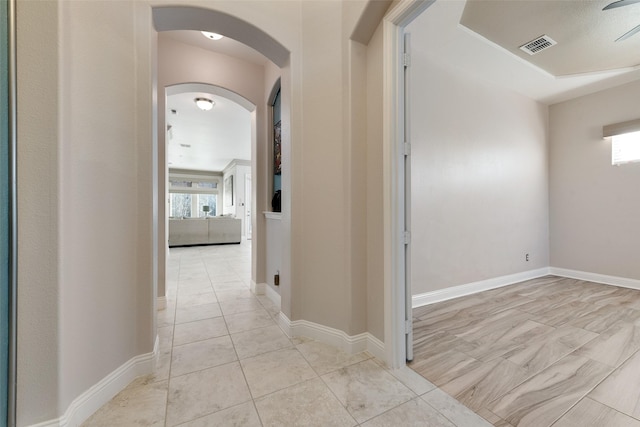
[275,202]
[277,150]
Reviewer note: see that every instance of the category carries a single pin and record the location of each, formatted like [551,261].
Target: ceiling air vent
[185,145]
[538,45]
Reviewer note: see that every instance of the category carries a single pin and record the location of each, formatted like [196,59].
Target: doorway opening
[244,194]
[396,145]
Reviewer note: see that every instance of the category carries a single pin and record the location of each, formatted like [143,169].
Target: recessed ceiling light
[212,36]
[205,104]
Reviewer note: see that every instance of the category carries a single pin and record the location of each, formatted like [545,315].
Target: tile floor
[549,351]
[224,362]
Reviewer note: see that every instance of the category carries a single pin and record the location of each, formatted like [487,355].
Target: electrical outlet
[526,257]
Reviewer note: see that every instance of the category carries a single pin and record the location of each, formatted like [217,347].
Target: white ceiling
[437,33]
[586,34]
[206,140]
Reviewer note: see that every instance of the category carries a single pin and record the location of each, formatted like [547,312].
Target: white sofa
[204,231]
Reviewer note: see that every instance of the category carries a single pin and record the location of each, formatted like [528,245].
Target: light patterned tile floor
[223,361]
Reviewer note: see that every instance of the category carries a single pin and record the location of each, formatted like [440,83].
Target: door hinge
[407,148]
[406,59]
[408,325]
[407,237]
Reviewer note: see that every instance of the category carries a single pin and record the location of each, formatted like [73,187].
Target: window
[180,205]
[210,200]
[184,205]
[625,148]
[189,194]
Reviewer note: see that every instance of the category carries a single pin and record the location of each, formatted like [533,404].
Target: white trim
[273,295]
[273,215]
[258,288]
[161,303]
[395,300]
[427,298]
[376,347]
[102,392]
[335,337]
[595,277]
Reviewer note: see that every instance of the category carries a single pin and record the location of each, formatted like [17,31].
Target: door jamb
[393,177]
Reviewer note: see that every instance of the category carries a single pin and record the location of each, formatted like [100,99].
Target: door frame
[395,283]
[12,109]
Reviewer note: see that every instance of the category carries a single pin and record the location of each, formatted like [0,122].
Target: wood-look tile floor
[546,352]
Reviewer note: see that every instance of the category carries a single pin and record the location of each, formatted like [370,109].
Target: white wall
[479,197]
[274,249]
[374,175]
[38,285]
[238,170]
[86,282]
[594,206]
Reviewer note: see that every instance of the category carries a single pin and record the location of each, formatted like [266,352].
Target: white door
[247,206]
[407,200]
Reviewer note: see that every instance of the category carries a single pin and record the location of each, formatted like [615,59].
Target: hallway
[223,361]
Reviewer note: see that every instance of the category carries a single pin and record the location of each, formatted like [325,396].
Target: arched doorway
[193,18]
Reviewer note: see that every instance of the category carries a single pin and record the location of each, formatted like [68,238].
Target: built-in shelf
[273,215]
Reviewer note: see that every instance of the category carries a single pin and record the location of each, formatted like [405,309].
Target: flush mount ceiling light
[205,104]
[212,36]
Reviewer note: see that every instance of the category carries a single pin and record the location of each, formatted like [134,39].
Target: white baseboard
[258,288]
[99,394]
[335,337]
[161,303]
[273,295]
[475,287]
[595,277]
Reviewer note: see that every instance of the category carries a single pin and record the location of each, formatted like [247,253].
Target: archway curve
[213,90]
[170,18]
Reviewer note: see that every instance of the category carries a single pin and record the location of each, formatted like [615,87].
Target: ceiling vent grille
[538,45]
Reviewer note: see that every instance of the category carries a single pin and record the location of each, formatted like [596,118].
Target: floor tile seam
[332,370]
[247,311]
[585,394]
[249,330]
[244,376]
[438,411]
[496,398]
[611,407]
[527,378]
[198,320]
[416,397]
[201,341]
[269,351]
[254,398]
[616,367]
[178,295]
[173,335]
[209,414]
[344,406]
[613,370]
[570,408]
[202,369]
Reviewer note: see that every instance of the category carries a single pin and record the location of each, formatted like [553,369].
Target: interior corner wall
[374,176]
[38,377]
[356,194]
[479,177]
[594,206]
[325,292]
